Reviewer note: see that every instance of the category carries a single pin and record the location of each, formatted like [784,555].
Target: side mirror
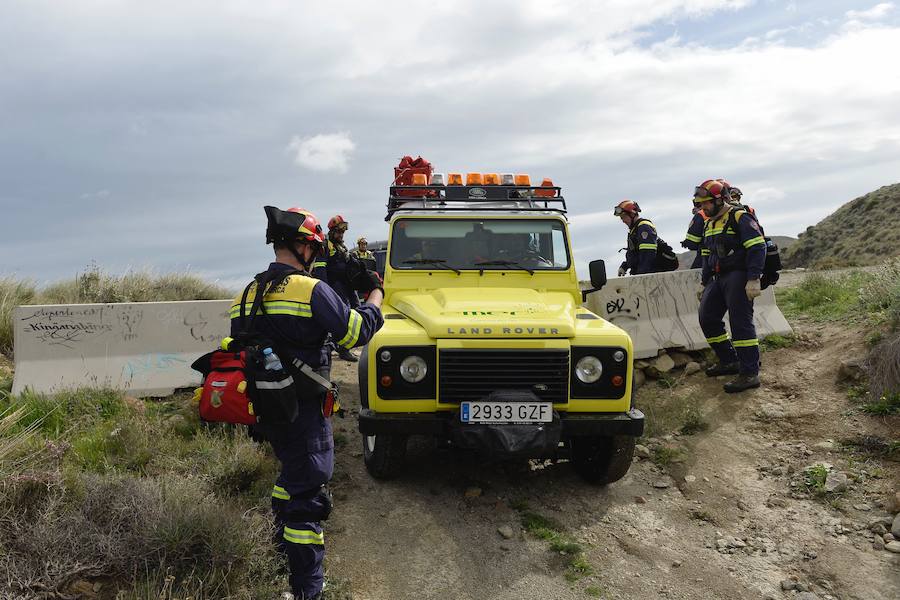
[597,270]
[598,274]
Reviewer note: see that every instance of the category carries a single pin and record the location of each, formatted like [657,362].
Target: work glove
[621,271]
[753,289]
[366,281]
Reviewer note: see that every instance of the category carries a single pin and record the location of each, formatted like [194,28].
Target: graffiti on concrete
[151,363]
[129,320]
[199,325]
[628,305]
[66,327]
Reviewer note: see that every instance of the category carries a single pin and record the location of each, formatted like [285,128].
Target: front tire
[384,454]
[602,459]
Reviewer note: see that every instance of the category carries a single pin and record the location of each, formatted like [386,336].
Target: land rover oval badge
[477,193]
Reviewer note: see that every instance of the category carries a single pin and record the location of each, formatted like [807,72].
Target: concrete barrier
[660,311]
[145,348]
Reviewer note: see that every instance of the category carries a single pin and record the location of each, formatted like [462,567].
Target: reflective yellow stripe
[693,238]
[704,251]
[718,338]
[276,307]
[280,493]
[303,536]
[745,343]
[320,263]
[714,231]
[754,241]
[647,247]
[354,323]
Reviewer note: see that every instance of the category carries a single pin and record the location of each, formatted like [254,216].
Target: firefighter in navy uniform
[339,270]
[693,240]
[640,256]
[303,310]
[362,251]
[734,253]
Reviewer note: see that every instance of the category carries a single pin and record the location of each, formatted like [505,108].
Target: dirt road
[724,513]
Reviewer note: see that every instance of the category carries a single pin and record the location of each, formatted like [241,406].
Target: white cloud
[323,152]
[879,11]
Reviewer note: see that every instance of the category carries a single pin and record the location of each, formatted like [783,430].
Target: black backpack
[666,260]
[773,264]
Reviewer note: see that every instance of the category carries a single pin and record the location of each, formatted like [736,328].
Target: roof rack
[499,198]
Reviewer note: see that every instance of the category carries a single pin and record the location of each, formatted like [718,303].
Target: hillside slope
[863,231]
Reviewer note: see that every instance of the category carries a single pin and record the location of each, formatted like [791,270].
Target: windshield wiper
[437,262]
[503,263]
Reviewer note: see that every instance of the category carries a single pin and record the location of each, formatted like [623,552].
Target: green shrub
[887,404]
[65,410]
[814,478]
[825,298]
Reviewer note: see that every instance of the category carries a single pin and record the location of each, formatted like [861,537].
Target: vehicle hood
[493,312]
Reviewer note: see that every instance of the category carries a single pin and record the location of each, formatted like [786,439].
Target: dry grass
[883,366]
[12,294]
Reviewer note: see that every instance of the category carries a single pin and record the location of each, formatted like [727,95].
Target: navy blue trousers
[726,293]
[300,500]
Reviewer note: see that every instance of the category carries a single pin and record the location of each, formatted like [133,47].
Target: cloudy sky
[150,134]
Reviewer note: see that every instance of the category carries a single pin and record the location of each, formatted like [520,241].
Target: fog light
[386,381]
[589,369]
[617,380]
[385,356]
[413,369]
[618,356]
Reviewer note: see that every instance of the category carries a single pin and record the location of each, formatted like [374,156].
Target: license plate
[506,412]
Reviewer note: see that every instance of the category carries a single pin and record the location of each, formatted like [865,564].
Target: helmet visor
[702,194]
[619,211]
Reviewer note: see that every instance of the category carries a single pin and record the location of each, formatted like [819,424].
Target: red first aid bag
[224,395]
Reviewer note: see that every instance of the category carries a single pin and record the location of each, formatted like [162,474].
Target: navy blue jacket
[305,310]
[640,256]
[726,249]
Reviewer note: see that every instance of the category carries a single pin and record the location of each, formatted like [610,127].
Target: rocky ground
[789,492]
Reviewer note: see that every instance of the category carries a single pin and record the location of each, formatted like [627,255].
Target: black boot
[723,369]
[741,383]
[345,354]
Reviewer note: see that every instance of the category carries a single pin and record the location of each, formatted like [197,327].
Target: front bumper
[629,423]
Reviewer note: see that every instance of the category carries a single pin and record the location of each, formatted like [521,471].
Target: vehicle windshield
[480,244]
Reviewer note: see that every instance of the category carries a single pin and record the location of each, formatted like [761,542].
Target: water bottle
[273,363]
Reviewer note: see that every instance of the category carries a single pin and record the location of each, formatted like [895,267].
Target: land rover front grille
[473,374]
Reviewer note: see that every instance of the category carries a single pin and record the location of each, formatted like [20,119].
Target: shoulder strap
[264,281]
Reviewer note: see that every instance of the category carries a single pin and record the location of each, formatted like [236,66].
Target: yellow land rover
[485,343]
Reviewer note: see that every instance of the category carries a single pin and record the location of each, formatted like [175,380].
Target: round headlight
[385,356]
[413,369]
[618,356]
[589,369]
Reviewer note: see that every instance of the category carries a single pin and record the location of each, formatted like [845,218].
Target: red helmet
[626,206]
[336,221]
[711,189]
[291,225]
